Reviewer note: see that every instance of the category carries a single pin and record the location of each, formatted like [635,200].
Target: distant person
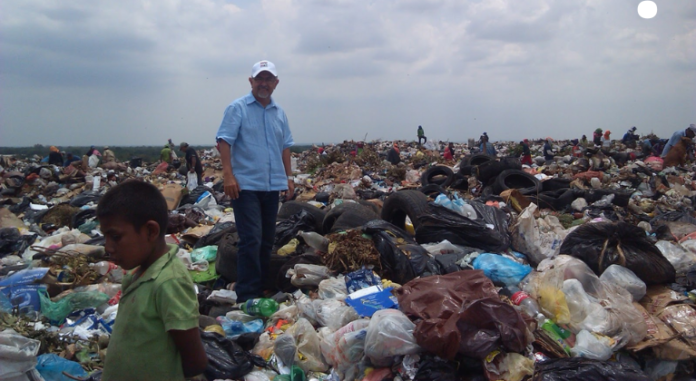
[193,162]
[108,156]
[526,153]
[166,154]
[578,149]
[449,152]
[584,143]
[689,132]
[393,156]
[650,147]
[173,151]
[597,137]
[255,139]
[69,159]
[54,156]
[606,140]
[630,136]
[156,334]
[487,147]
[421,136]
[548,152]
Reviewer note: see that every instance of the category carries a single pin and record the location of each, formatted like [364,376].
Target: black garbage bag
[440,223]
[81,217]
[12,241]
[215,234]
[33,216]
[433,368]
[583,369]
[191,212]
[493,216]
[391,241]
[288,229]
[603,244]
[193,196]
[448,262]
[226,359]
[21,207]
[674,215]
[85,198]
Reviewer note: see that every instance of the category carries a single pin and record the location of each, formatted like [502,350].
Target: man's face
[126,246]
[263,84]
[690,133]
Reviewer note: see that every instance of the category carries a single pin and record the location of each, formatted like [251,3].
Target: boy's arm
[193,357]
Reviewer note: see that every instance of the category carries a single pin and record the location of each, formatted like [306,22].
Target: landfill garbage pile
[475,267]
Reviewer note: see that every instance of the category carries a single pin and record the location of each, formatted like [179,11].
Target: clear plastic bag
[590,346]
[389,334]
[308,345]
[680,256]
[192,181]
[285,348]
[333,313]
[330,347]
[17,354]
[333,288]
[625,278]
[538,238]
[308,275]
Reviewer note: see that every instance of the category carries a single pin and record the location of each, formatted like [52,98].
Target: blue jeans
[255,214]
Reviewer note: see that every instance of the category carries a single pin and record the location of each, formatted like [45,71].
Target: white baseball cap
[263,66]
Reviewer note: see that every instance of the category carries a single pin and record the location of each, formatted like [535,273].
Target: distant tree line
[123,153]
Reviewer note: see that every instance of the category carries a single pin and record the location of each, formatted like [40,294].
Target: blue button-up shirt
[676,137]
[257,137]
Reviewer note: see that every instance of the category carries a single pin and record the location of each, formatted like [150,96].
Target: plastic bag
[582,369]
[308,275]
[359,279]
[389,334]
[333,313]
[289,228]
[333,288]
[393,245]
[308,345]
[286,349]
[58,311]
[52,366]
[589,346]
[679,256]
[434,302]
[604,243]
[501,269]
[538,238]
[625,278]
[191,181]
[334,354]
[458,205]
[508,366]
[487,233]
[226,359]
[17,354]
[208,254]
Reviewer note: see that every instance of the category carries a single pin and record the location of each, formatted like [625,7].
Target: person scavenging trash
[526,154]
[193,162]
[487,147]
[421,136]
[155,336]
[393,156]
[597,137]
[548,151]
[689,132]
[630,137]
[254,176]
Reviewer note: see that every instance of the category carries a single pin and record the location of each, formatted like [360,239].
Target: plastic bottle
[260,307]
[315,241]
[103,267]
[524,301]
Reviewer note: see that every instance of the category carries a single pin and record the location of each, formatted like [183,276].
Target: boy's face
[126,246]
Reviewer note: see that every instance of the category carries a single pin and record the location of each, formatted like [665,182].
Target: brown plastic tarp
[460,312]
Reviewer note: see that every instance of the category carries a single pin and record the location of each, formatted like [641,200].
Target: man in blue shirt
[688,132]
[254,141]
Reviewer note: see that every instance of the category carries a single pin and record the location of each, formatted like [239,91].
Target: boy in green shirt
[155,335]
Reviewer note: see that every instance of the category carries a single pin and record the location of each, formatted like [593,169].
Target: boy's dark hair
[137,203]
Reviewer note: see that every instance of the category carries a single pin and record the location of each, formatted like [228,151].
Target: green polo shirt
[162,299]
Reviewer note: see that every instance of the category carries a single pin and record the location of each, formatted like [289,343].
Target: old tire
[439,174]
[293,207]
[555,184]
[476,159]
[332,215]
[411,203]
[516,179]
[353,218]
[431,190]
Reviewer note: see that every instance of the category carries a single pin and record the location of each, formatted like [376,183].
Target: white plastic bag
[390,334]
[590,346]
[333,288]
[539,238]
[333,313]
[623,277]
[17,354]
[682,256]
[308,275]
[191,181]
[308,345]
[330,344]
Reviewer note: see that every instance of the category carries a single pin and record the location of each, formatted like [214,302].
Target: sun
[647,9]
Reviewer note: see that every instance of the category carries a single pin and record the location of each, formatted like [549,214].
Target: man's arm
[230,182]
[192,167]
[287,163]
[190,347]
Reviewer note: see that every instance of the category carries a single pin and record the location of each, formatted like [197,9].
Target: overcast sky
[133,72]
